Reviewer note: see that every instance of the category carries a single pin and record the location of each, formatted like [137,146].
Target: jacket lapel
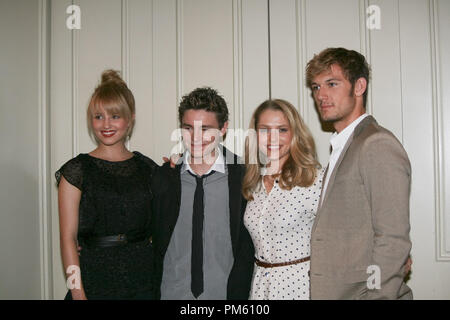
[235,197]
[172,215]
[356,132]
[323,184]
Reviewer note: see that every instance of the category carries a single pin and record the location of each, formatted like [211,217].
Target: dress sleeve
[72,172]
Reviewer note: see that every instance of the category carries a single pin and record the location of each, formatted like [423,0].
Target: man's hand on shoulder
[173,159]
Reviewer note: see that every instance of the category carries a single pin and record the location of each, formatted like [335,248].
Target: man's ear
[224,129]
[360,87]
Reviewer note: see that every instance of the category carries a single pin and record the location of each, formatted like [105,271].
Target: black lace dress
[115,199]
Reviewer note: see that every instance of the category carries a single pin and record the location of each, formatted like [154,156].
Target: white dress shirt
[338,141]
[218,165]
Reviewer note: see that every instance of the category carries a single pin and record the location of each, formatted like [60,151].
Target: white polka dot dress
[280,225]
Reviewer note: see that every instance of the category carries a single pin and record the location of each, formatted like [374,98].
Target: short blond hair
[352,63]
[113,95]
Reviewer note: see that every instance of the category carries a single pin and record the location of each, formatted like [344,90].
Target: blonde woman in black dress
[104,202]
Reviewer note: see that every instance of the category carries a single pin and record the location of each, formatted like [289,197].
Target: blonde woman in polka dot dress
[282,185]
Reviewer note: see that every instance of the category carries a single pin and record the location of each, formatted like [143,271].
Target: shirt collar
[338,140]
[218,165]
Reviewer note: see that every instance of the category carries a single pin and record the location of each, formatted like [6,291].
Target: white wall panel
[418,141]
[97,46]
[61,115]
[329,24]
[418,62]
[207,46]
[299,29]
[139,58]
[22,140]
[442,138]
[385,89]
[164,77]
[284,51]
[255,46]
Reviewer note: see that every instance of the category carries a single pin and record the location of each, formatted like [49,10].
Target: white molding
[442,252]
[153,78]
[45,239]
[179,39]
[365,46]
[125,48]
[75,90]
[269,49]
[125,42]
[301,48]
[238,76]
[400,67]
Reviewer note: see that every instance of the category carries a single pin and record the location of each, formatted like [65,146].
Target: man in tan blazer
[360,239]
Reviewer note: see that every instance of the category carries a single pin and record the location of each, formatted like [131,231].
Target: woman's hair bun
[112,76]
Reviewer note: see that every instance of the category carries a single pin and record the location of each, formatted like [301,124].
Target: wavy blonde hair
[300,169]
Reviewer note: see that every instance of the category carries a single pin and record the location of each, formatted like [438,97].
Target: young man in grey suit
[202,249]
[360,239]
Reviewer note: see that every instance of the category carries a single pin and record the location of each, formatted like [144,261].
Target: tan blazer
[364,220]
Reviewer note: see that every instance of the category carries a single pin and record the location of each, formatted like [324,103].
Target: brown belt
[281,264]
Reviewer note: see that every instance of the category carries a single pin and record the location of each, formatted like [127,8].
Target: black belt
[113,241]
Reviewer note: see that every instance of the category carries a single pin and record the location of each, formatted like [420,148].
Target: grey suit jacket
[364,220]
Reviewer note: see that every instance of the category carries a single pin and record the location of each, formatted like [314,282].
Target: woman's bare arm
[68,202]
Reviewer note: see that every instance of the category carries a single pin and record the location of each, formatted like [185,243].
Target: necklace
[273,176]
